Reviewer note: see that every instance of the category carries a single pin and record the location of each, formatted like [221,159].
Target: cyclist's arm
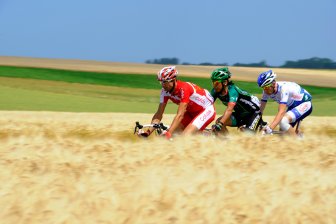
[228,111]
[178,117]
[281,112]
[262,106]
[233,97]
[157,117]
[282,107]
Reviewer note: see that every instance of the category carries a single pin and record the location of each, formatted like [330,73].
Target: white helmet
[167,73]
[266,78]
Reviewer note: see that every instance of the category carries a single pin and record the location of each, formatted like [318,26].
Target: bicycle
[160,128]
[280,133]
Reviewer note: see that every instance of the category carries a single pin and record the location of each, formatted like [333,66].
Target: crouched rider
[195,104]
[242,108]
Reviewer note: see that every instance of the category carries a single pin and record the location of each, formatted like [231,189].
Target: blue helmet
[266,78]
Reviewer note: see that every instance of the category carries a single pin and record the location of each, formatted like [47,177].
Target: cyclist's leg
[187,118]
[253,122]
[297,126]
[201,120]
[234,121]
[294,115]
[285,124]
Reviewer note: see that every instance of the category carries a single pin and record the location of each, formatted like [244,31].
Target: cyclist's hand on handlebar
[267,130]
[144,134]
[166,134]
[217,127]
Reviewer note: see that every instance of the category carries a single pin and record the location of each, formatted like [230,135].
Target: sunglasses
[216,82]
[267,87]
[166,81]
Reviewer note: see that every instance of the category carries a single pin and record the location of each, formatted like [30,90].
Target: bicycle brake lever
[137,126]
[163,127]
[156,126]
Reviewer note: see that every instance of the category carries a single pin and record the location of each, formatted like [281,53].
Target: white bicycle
[280,133]
[160,128]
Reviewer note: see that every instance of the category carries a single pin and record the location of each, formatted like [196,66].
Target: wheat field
[90,168]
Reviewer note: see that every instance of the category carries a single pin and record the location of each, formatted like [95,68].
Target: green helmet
[221,74]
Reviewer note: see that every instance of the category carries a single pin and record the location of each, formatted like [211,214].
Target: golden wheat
[89,168]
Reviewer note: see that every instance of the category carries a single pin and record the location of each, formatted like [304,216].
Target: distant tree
[164,61]
[211,64]
[260,64]
[175,61]
[315,62]
[206,63]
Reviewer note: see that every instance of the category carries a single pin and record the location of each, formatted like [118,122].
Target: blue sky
[194,31]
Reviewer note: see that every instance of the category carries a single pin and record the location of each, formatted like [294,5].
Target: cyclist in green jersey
[242,108]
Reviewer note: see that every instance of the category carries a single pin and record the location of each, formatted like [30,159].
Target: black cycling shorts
[251,122]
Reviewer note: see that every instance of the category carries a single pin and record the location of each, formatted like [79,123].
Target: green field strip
[37,90]
[131,80]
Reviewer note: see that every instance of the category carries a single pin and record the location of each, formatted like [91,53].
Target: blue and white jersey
[288,93]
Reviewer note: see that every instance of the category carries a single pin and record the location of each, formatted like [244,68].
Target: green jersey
[245,103]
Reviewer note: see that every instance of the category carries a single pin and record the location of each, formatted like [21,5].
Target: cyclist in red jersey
[195,104]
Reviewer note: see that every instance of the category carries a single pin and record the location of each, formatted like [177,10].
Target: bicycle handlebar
[158,127]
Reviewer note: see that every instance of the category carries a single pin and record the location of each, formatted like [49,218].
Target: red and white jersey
[197,98]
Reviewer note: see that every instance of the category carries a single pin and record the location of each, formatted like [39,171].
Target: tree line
[314,63]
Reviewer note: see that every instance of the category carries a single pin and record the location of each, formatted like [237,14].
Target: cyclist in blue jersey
[294,102]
